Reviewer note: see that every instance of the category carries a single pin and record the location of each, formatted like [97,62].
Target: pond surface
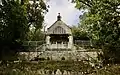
[58,72]
[47,68]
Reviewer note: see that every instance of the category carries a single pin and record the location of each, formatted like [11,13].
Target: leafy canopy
[16,18]
[102,21]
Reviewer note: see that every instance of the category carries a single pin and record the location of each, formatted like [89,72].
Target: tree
[102,21]
[35,13]
[13,23]
[16,19]
[79,33]
[35,16]
[35,35]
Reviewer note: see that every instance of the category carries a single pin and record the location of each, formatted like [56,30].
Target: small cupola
[58,17]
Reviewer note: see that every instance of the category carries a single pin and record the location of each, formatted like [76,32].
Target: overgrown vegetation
[101,20]
[79,33]
[21,21]
[16,19]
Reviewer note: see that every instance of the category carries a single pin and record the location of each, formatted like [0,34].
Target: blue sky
[70,15]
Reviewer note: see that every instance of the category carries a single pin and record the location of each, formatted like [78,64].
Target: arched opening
[63,58]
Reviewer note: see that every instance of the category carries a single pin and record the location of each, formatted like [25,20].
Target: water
[58,72]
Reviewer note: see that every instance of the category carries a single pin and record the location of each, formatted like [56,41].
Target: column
[48,41]
[70,41]
[62,46]
[56,45]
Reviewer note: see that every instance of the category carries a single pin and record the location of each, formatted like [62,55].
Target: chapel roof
[59,23]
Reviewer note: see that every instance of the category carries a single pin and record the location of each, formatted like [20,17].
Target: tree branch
[84,3]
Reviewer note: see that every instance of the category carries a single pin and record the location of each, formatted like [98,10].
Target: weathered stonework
[59,35]
[59,44]
[58,55]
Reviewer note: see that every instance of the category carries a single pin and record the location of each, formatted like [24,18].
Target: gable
[59,30]
[59,27]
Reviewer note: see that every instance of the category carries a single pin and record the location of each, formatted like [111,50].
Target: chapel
[59,36]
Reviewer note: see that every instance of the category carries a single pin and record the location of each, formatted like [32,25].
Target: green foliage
[79,33]
[16,19]
[35,16]
[35,13]
[102,22]
[13,23]
[35,35]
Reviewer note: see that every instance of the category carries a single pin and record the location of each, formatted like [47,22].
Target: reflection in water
[58,72]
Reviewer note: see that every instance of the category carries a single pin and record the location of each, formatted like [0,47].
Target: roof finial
[58,17]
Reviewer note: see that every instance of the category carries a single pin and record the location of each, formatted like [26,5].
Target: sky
[70,15]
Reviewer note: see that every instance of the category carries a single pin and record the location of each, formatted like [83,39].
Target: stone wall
[58,55]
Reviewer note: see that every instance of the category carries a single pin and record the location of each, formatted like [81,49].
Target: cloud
[70,15]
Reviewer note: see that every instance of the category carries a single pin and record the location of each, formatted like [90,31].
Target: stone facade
[59,35]
[59,44]
[58,55]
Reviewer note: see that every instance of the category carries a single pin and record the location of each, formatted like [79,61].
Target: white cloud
[70,15]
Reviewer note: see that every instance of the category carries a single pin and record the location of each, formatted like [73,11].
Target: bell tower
[59,17]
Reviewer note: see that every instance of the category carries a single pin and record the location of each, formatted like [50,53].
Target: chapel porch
[56,41]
